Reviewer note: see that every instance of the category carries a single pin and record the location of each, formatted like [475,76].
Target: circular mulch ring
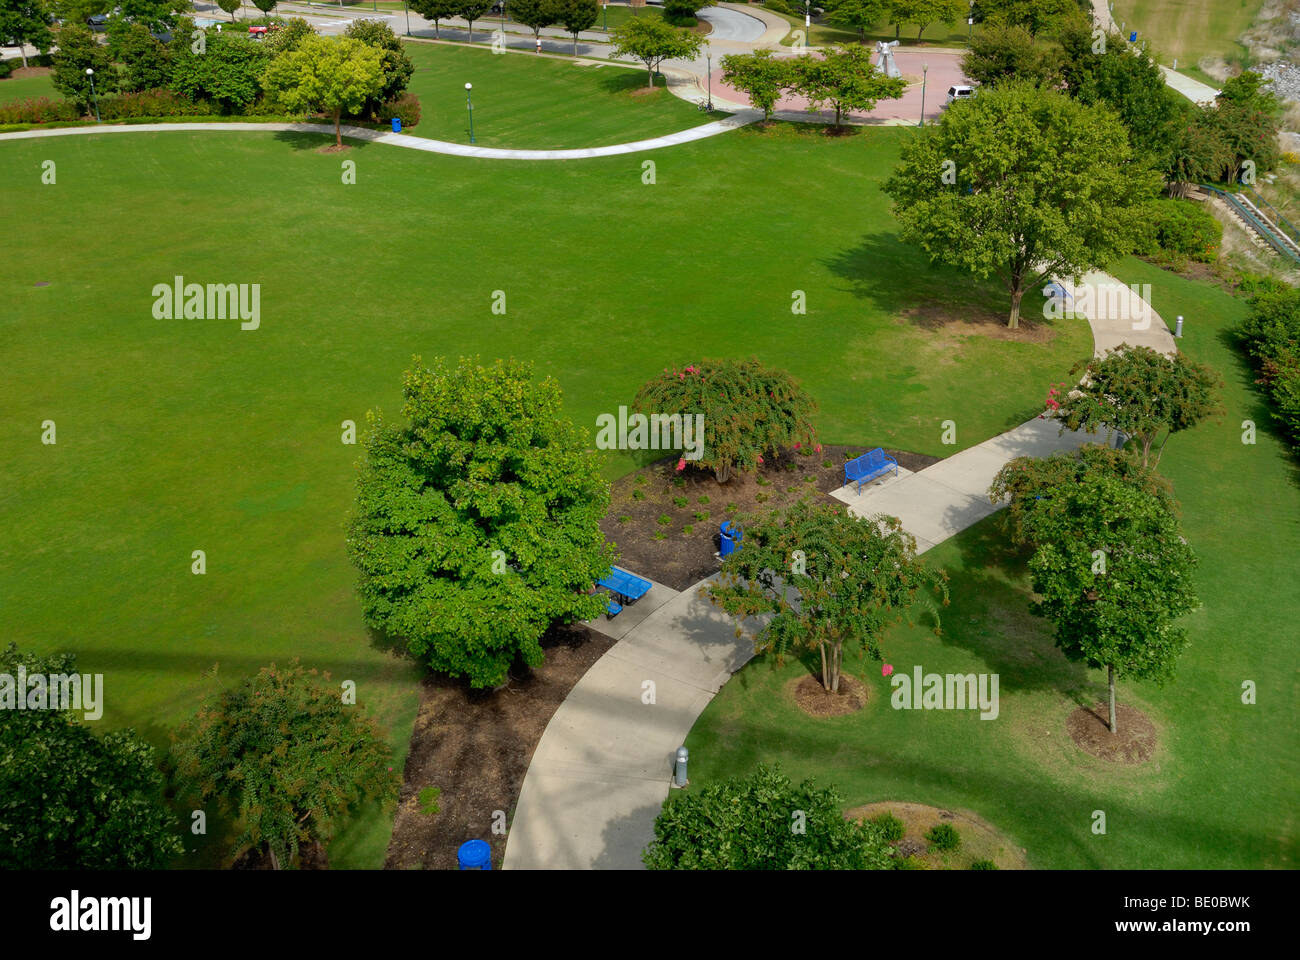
[1135,742]
[811,697]
[980,840]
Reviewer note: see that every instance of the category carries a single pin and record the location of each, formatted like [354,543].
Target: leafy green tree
[228,71]
[77,51]
[71,800]
[157,15]
[748,410]
[535,14]
[681,13]
[331,75]
[284,754]
[1113,573]
[760,75]
[25,22]
[1034,15]
[999,54]
[471,10]
[289,37]
[576,16]
[146,63]
[266,6]
[1126,79]
[1023,482]
[1024,184]
[823,577]
[924,13]
[477,524]
[859,15]
[845,78]
[435,10]
[230,7]
[396,65]
[652,41]
[1200,151]
[1141,392]
[763,822]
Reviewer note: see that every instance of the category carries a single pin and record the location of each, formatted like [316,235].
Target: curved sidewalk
[702,132]
[600,773]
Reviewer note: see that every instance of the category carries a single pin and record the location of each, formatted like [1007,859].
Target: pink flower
[818,448]
[681,464]
[760,461]
[797,444]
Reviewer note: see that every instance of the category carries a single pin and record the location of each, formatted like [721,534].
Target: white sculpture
[885,58]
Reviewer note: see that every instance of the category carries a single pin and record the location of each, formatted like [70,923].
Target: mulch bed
[475,746]
[1135,742]
[812,698]
[681,559]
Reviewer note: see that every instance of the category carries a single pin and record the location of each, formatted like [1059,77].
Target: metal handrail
[1277,218]
[1265,231]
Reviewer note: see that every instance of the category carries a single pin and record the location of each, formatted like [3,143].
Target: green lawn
[526,101]
[182,435]
[21,88]
[1220,791]
[1189,29]
[826,33]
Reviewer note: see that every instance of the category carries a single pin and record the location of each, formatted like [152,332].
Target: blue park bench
[626,587]
[869,466]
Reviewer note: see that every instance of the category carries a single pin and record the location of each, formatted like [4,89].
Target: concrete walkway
[601,771]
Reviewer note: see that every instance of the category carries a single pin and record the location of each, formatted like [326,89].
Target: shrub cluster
[405,107]
[38,110]
[1178,230]
[944,836]
[1271,335]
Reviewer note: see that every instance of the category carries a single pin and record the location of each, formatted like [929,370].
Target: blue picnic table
[626,587]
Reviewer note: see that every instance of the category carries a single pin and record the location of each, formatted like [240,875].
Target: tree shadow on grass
[304,140]
[1260,409]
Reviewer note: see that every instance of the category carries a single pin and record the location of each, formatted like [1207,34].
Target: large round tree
[477,521]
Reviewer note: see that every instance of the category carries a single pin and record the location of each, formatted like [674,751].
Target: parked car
[959,92]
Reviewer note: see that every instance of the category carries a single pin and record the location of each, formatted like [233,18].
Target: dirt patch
[980,840]
[950,321]
[20,72]
[475,747]
[1134,743]
[644,91]
[334,148]
[677,557]
[811,697]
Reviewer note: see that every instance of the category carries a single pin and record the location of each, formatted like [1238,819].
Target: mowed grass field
[1220,790]
[1189,29]
[21,88]
[525,101]
[183,435]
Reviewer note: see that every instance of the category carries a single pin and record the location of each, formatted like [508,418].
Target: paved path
[1193,90]
[600,773]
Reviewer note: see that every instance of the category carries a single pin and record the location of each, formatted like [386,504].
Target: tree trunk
[1110,672]
[837,659]
[1160,451]
[722,472]
[650,76]
[1017,293]
[575,43]
[338,131]
[897,27]
[22,52]
[918,34]
[275,861]
[1146,451]
[826,676]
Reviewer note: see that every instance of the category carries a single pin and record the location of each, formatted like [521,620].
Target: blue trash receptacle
[474,855]
[730,540]
[397,124]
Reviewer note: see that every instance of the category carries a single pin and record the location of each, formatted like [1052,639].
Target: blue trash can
[397,124]
[730,540]
[474,855]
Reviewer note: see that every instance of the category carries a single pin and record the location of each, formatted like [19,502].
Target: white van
[959,92]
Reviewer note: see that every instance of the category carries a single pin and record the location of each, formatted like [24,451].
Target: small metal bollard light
[1178,327]
[679,767]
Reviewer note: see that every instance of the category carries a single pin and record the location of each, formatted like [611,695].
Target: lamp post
[925,70]
[407,7]
[807,19]
[469,105]
[605,10]
[91,73]
[970,21]
[708,73]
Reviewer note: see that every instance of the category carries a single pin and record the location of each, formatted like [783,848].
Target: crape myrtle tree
[160,15]
[266,6]
[145,63]
[476,524]
[845,78]
[1111,570]
[924,13]
[289,37]
[760,75]
[1022,183]
[229,70]
[652,41]
[1005,53]
[435,10]
[70,799]
[824,578]
[285,755]
[535,14]
[859,15]
[1142,393]
[77,51]
[749,410]
[1036,16]
[749,823]
[231,7]
[576,16]
[332,75]
[25,22]
[471,10]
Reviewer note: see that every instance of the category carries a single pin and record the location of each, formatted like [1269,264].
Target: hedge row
[1271,335]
